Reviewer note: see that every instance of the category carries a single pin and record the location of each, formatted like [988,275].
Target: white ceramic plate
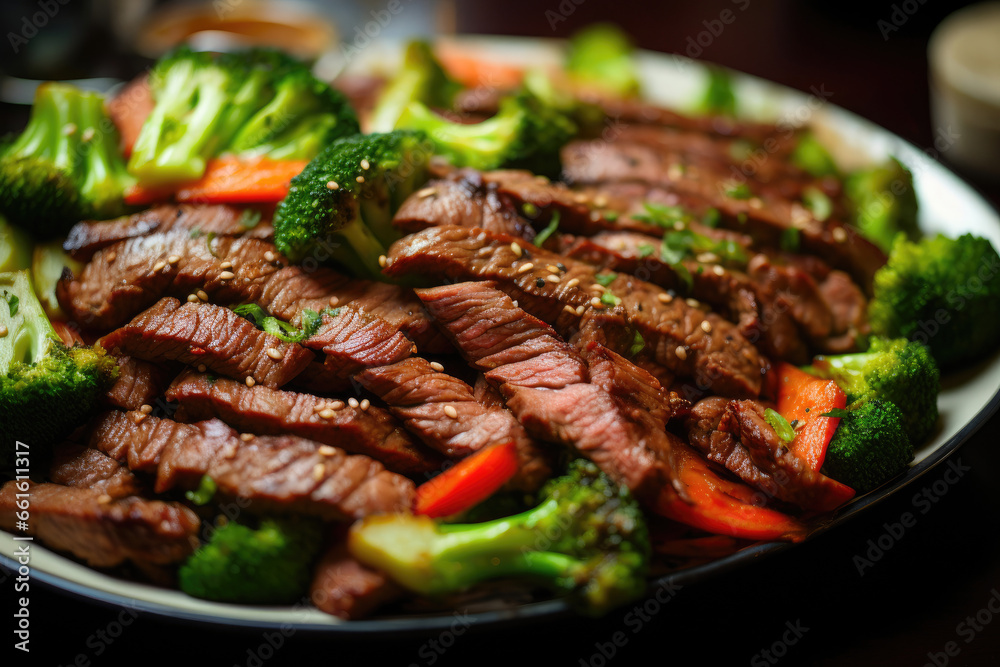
[947,204]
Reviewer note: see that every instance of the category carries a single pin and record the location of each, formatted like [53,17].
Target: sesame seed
[327,414]
[337,405]
[573,282]
[88,134]
[664,297]
[839,234]
[173,259]
[569,309]
[553,278]
[3,331]
[365,164]
[718,270]
[580,310]
[159,266]
[552,268]
[334,300]
[145,408]
[524,268]
[226,265]
[268,256]
[227,275]
[426,192]
[332,185]
[274,353]
[250,381]
[193,298]
[327,450]
[681,353]
[69,129]
[595,216]
[319,407]
[202,294]
[112,256]
[580,198]
[353,402]
[597,286]
[318,471]
[202,368]
[596,303]
[674,172]
[360,179]
[692,302]
[679,226]
[246,437]
[137,417]
[104,499]
[365,404]
[382,261]
[756,203]
[451,411]
[437,366]
[515,248]
[707,257]
[706,326]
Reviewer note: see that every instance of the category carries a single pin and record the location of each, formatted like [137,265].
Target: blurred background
[873,56]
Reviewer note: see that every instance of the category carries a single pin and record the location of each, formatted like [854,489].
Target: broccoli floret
[600,58]
[46,388]
[869,446]
[270,564]
[942,292]
[895,370]
[341,205]
[525,133]
[587,537]
[47,264]
[66,166]
[256,102]
[420,78]
[884,203]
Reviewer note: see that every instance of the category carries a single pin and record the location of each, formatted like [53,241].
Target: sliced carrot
[472,71]
[802,400]
[467,483]
[228,180]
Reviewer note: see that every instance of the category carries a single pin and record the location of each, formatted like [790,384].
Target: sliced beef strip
[766,215]
[101,531]
[735,435]
[218,338]
[486,393]
[85,468]
[123,279]
[345,588]
[443,412]
[546,383]
[275,473]
[353,341]
[86,238]
[688,341]
[139,383]
[372,431]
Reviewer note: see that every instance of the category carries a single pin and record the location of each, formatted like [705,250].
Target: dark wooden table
[934,590]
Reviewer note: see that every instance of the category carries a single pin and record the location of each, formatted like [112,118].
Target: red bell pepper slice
[802,400]
[228,180]
[721,506]
[467,483]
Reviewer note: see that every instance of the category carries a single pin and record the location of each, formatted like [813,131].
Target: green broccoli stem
[362,252]
[106,178]
[30,334]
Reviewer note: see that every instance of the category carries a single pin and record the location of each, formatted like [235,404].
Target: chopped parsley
[741,191]
[609,299]
[605,279]
[12,302]
[549,230]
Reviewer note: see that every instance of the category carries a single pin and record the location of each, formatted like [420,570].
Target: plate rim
[559,607]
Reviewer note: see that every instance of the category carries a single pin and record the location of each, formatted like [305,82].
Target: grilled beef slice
[139,383]
[123,279]
[102,531]
[261,410]
[224,342]
[688,341]
[345,588]
[423,397]
[85,468]
[284,472]
[86,238]
[353,341]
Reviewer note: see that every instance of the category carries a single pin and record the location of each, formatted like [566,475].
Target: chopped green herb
[740,150]
[645,249]
[332,312]
[741,191]
[278,328]
[203,494]
[529,209]
[605,279]
[817,202]
[249,218]
[718,97]
[741,218]
[779,424]
[790,239]
[660,215]
[711,218]
[611,216]
[609,299]
[549,230]
[12,302]
[208,240]
[839,413]
[638,344]
[196,233]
